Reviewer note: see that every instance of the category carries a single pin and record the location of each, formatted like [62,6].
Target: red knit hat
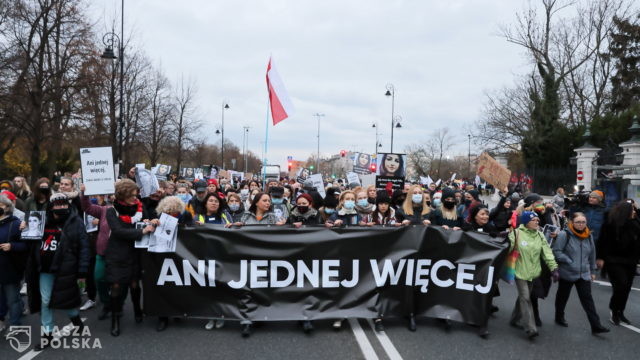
[306,197]
[212,181]
[11,196]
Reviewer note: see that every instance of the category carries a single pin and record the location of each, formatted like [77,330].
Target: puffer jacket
[532,246]
[249,218]
[576,257]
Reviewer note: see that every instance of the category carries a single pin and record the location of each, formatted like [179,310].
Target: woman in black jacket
[58,267]
[122,266]
[501,214]
[618,250]
[416,207]
[304,213]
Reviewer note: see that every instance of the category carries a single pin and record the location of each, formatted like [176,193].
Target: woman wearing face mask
[122,265]
[58,267]
[41,193]
[183,193]
[416,208]
[329,205]
[249,200]
[346,213]
[447,215]
[397,199]
[437,200]
[304,213]
[372,193]
[364,208]
[236,207]
[575,252]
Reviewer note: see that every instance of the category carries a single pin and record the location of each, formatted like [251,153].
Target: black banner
[274,273]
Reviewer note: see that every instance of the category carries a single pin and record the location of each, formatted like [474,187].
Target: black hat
[277,191]
[383,199]
[531,198]
[200,186]
[330,202]
[447,192]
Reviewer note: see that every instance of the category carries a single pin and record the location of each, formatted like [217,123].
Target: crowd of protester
[580,242]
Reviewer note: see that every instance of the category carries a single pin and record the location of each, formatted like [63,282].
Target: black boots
[163,321]
[246,330]
[104,313]
[412,323]
[307,326]
[135,299]
[379,326]
[115,324]
[45,342]
[78,324]
[561,321]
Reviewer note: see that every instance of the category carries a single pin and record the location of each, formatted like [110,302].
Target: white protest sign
[352,178]
[453,177]
[140,166]
[166,235]
[368,180]
[318,183]
[97,170]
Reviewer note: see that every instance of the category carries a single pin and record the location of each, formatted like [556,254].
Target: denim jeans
[10,295]
[46,313]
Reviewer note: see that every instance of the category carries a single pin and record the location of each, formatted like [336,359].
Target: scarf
[129,214]
[365,209]
[581,235]
[71,194]
[344,211]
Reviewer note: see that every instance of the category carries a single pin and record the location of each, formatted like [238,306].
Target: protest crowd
[85,257]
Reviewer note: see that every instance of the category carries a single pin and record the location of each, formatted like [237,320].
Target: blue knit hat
[527,216]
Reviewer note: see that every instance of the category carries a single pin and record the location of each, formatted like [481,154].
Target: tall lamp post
[469,167]
[109,40]
[221,131]
[395,120]
[318,116]
[378,144]
[245,145]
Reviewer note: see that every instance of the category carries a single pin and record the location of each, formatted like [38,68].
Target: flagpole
[266,148]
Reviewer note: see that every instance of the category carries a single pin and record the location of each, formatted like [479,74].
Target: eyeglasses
[579,222]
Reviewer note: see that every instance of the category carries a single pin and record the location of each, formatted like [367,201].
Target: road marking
[604,283]
[363,342]
[631,327]
[386,343]
[32,353]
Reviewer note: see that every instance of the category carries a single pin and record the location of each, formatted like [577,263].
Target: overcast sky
[335,57]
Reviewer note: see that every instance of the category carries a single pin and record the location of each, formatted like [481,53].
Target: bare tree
[156,132]
[441,141]
[185,124]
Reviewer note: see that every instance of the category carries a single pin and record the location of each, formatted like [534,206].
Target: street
[187,338]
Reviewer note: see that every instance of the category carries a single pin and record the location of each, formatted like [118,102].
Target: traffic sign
[580,175]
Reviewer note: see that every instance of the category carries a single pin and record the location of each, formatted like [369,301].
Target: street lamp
[245,145]
[395,120]
[221,131]
[469,168]
[318,116]
[109,40]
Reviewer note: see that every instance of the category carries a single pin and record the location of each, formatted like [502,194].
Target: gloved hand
[555,275]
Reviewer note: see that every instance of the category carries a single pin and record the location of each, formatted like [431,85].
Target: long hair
[620,213]
[399,172]
[202,207]
[343,195]
[254,203]
[407,205]
[37,194]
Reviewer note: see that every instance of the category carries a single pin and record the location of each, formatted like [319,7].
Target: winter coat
[500,215]
[620,245]
[438,219]
[122,263]
[249,218]
[236,216]
[488,228]
[70,263]
[348,218]
[98,212]
[222,218]
[576,257]
[379,219]
[311,217]
[12,262]
[532,246]
[34,205]
[416,219]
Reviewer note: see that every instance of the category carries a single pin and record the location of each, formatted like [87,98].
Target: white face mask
[244,192]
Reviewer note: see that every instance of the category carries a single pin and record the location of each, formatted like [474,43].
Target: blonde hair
[343,195]
[170,205]
[407,205]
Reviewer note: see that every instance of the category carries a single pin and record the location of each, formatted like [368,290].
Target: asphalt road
[187,338]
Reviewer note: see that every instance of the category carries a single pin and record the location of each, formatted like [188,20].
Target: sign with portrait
[362,163]
[162,171]
[391,165]
[35,225]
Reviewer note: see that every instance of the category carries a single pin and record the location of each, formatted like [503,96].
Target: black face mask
[467,202]
[428,203]
[61,214]
[449,204]
[371,201]
[45,191]
[1,211]
[303,209]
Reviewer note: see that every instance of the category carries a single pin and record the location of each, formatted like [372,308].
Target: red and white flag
[281,105]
